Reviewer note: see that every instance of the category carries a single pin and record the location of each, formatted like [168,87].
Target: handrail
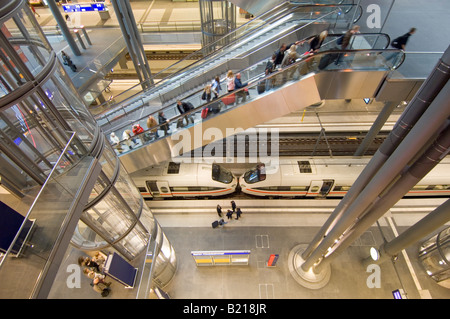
[209,56]
[36,199]
[257,79]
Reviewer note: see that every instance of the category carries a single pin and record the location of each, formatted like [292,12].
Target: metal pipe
[411,177]
[376,127]
[433,119]
[425,95]
[63,26]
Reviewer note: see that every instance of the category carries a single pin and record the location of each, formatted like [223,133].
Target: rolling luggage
[215,224]
[230,99]
[204,114]
[261,87]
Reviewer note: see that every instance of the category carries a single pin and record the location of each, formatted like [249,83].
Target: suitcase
[215,224]
[229,99]
[261,87]
[204,112]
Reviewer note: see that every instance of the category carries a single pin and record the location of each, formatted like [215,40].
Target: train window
[221,174]
[314,189]
[152,186]
[304,166]
[299,188]
[142,189]
[341,188]
[164,189]
[179,189]
[255,175]
[174,168]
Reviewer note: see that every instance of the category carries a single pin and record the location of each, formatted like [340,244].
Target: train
[184,180]
[291,177]
[328,178]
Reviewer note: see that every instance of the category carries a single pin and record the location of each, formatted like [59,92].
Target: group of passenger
[230,212]
[93,268]
[282,58]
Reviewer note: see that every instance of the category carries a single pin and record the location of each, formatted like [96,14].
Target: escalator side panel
[349,85]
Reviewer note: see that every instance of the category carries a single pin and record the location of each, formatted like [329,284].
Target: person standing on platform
[219,210]
[233,206]
[238,213]
[230,214]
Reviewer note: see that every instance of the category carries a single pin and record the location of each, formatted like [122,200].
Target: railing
[137,114]
[247,32]
[44,239]
[367,60]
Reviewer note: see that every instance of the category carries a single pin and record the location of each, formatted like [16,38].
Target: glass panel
[56,196]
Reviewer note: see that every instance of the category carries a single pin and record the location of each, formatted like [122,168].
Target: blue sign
[397,294]
[84,7]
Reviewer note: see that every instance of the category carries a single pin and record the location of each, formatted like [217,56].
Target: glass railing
[350,60]
[124,117]
[50,212]
[249,37]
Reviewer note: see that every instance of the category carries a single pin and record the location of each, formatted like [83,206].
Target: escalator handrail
[170,105]
[257,79]
[265,59]
[154,86]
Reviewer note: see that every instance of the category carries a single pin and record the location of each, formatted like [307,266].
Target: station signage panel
[84,7]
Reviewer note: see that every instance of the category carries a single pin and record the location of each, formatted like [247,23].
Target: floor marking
[266,291]
[262,241]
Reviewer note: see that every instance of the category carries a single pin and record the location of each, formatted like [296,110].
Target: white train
[328,177]
[171,180]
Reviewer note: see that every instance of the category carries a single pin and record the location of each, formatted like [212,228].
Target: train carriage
[328,177]
[184,180]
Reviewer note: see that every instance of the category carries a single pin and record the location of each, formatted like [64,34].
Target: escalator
[296,87]
[245,46]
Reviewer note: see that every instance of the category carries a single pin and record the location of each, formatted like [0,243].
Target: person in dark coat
[163,120]
[233,206]
[238,213]
[280,52]
[239,85]
[219,210]
[400,42]
[230,214]
[184,107]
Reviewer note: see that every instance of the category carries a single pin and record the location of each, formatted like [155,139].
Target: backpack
[189,106]
[340,39]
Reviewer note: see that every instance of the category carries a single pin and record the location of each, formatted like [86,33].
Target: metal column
[429,90]
[376,127]
[133,39]
[419,137]
[424,227]
[63,26]
[394,193]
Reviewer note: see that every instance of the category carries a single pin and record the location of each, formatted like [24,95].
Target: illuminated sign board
[84,7]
